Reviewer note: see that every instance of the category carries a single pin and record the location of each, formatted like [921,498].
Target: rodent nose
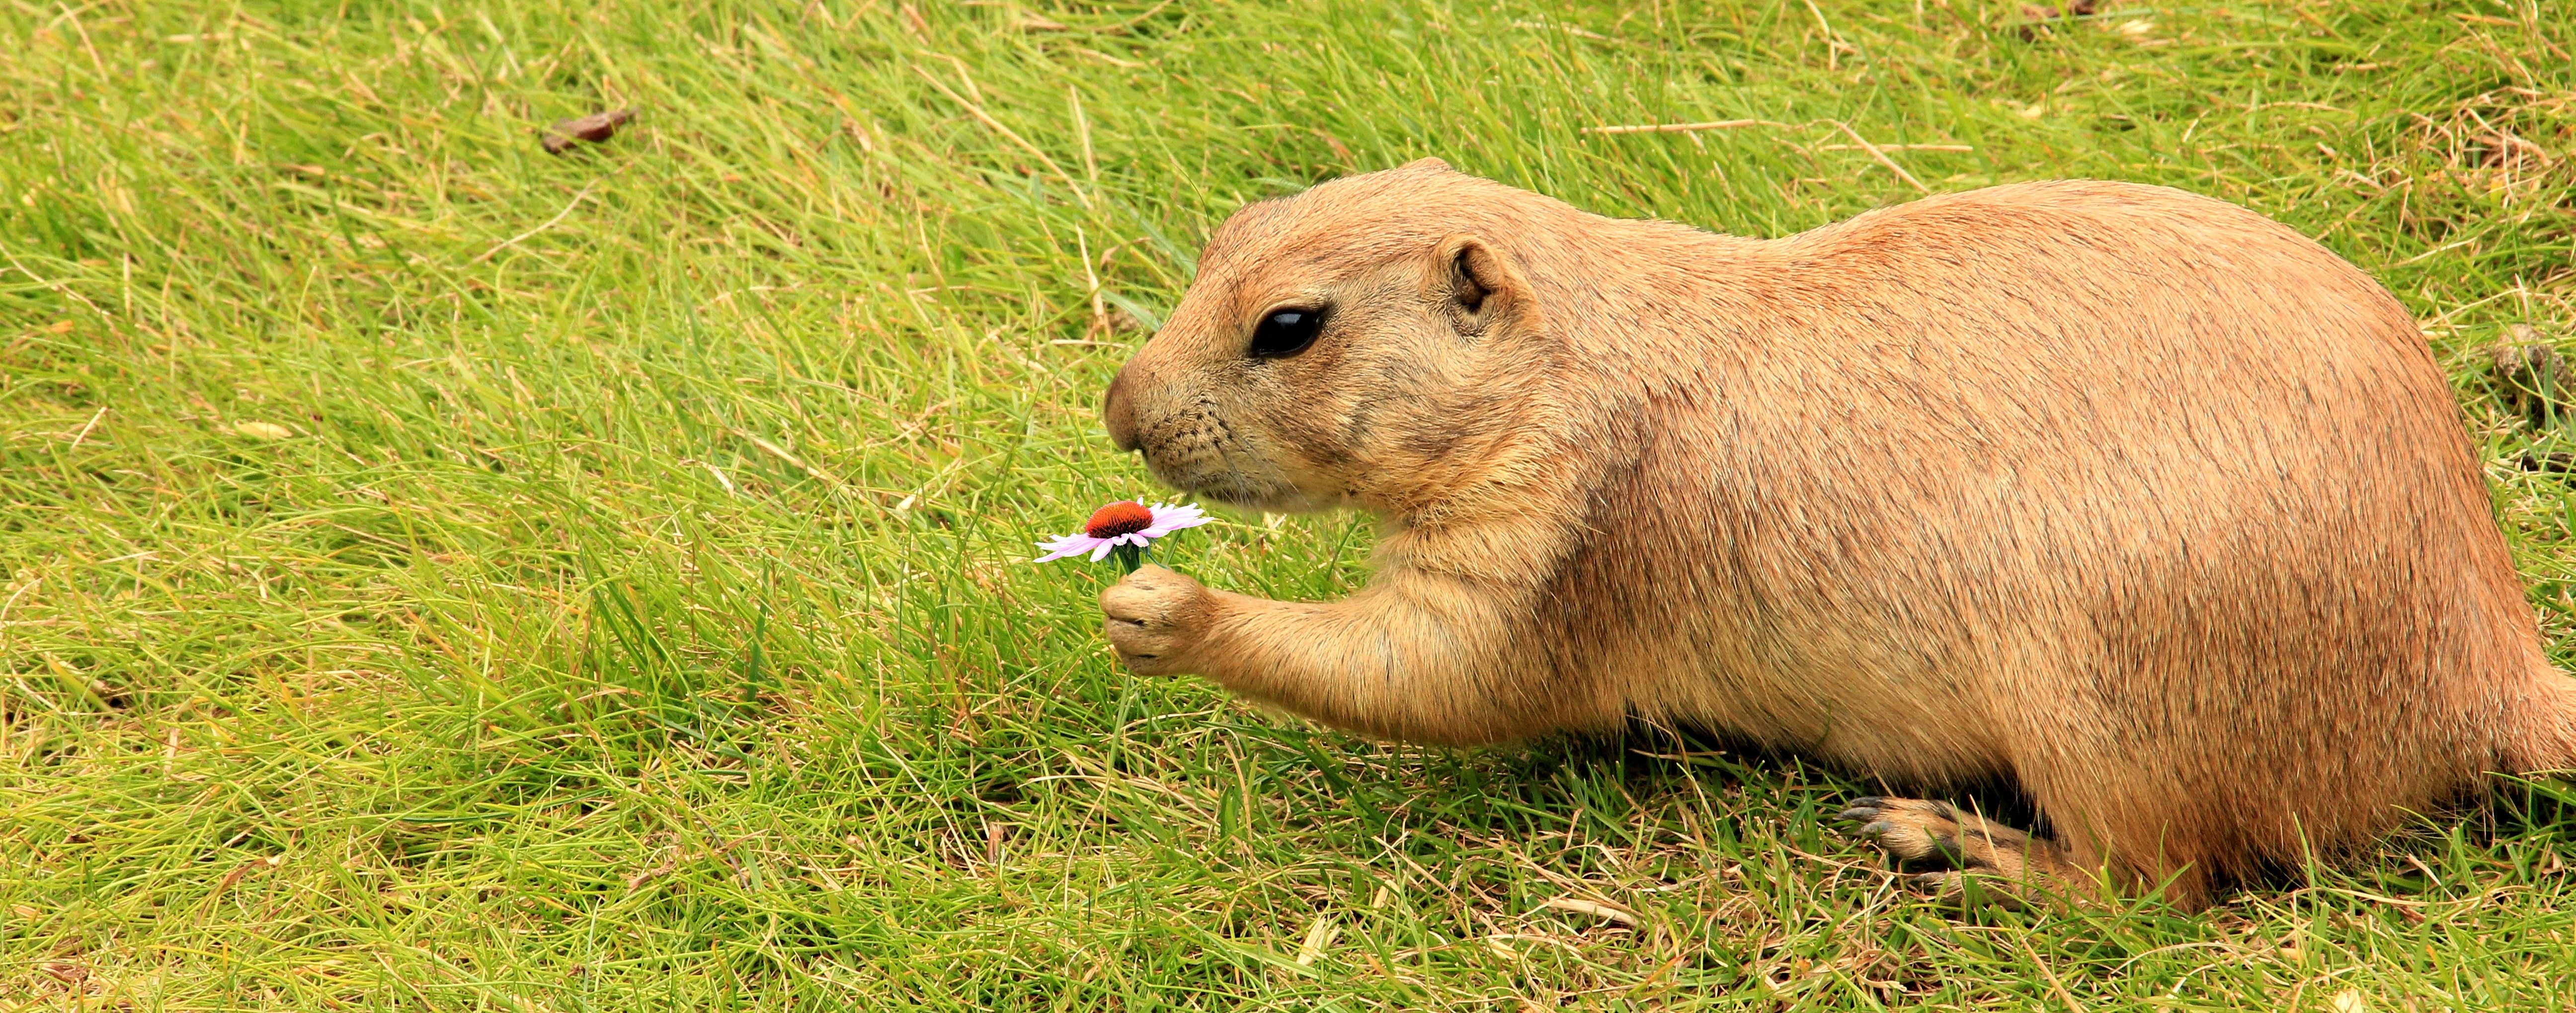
[1119,413]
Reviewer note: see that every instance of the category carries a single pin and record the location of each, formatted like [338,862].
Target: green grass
[439,575]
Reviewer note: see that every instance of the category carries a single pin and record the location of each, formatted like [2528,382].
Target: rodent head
[1369,342]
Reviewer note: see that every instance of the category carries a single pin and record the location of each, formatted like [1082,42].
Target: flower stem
[1129,557]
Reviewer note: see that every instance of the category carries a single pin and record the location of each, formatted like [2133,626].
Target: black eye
[1285,333]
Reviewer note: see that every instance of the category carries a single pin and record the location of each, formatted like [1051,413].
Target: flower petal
[1102,551]
[1069,545]
[1171,518]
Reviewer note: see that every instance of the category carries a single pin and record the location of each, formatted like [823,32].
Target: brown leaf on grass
[593,128]
[638,880]
[2532,377]
[1112,322]
[244,869]
[2037,14]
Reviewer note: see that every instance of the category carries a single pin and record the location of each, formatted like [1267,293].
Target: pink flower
[1122,524]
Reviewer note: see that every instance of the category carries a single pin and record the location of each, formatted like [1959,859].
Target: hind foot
[1917,835]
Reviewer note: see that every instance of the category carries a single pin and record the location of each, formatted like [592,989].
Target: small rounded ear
[1424,165]
[1482,288]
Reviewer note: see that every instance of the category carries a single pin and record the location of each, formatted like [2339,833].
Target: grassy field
[440,575]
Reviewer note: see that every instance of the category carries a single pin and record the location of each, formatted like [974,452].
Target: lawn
[443,575]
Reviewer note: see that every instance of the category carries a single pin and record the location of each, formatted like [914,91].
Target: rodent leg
[1425,652]
[1411,658]
[1919,834]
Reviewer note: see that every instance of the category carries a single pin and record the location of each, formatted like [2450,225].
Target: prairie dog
[2135,499]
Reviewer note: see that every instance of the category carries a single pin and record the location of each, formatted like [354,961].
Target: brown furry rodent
[2133,498]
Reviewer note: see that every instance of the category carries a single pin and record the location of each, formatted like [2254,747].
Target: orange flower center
[1118,519]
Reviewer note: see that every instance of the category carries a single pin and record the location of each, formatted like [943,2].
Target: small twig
[2050,973]
[1679,128]
[549,223]
[2427,870]
[73,16]
[93,423]
[1875,151]
[1658,972]
[21,592]
[1108,59]
[727,483]
[2206,944]
[1861,867]
[2446,248]
[774,450]
[1890,163]
[1613,912]
[673,864]
[216,895]
[978,112]
[1567,29]
[65,290]
[596,694]
[2260,106]
[1122,26]
[1082,244]
[1082,126]
[1902,147]
[2368,896]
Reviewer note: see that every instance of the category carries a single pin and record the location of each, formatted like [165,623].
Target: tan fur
[2134,498]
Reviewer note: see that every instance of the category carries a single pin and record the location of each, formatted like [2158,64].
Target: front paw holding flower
[1155,616]
[1155,619]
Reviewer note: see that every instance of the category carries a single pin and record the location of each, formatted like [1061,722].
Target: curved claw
[1862,810]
